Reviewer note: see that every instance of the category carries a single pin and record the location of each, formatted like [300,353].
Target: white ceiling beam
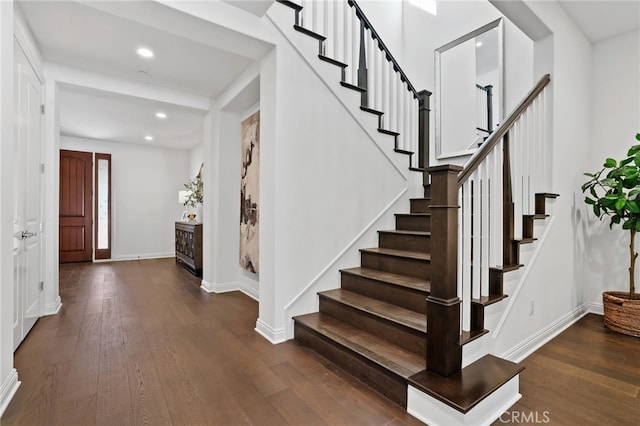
[93,80]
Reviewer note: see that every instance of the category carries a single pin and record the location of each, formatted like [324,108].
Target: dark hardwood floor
[587,375]
[140,343]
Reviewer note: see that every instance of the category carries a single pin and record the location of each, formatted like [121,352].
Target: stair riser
[419,243]
[413,223]
[397,265]
[420,206]
[380,379]
[390,293]
[398,334]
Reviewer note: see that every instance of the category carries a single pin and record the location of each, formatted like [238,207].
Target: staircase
[375,325]
[399,321]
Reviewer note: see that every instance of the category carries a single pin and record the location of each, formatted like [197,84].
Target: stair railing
[476,214]
[349,39]
[484,108]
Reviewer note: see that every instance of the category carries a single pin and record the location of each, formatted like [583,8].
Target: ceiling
[192,56]
[600,20]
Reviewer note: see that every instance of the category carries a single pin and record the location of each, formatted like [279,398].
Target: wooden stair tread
[469,387]
[390,312]
[352,87]
[412,214]
[507,268]
[290,4]
[397,253]
[391,278]
[489,300]
[389,132]
[536,216]
[470,336]
[548,194]
[332,61]
[310,33]
[371,110]
[392,357]
[405,232]
[400,151]
[526,240]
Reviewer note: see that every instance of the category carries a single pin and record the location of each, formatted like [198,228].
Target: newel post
[444,353]
[424,99]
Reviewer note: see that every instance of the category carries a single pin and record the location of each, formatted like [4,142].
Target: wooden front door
[76,215]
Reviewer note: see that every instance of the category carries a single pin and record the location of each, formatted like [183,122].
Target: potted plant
[195,196]
[614,191]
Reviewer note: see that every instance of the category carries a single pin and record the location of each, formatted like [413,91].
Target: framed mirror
[469,90]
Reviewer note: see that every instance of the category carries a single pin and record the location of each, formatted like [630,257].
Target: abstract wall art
[250,194]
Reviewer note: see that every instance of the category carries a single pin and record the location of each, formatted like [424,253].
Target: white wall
[326,184]
[555,281]
[145,184]
[615,120]
[196,158]
[412,35]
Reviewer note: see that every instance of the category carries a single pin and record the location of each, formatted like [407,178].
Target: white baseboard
[8,389]
[232,286]
[274,336]
[594,308]
[435,413]
[52,308]
[537,340]
[207,286]
[144,256]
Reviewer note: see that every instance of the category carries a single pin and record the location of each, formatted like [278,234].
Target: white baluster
[338,32]
[476,247]
[469,194]
[384,78]
[516,173]
[371,69]
[355,47]
[406,119]
[379,77]
[484,226]
[307,14]
[316,19]
[329,32]
[392,113]
[413,125]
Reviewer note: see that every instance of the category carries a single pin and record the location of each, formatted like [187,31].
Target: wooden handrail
[495,137]
[360,14]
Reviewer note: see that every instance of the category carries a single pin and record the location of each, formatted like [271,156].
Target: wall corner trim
[274,336]
[8,389]
[52,308]
[231,286]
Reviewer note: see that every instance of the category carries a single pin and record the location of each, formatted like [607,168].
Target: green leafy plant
[195,188]
[614,191]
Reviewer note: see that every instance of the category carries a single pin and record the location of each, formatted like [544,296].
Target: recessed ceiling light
[478,44]
[145,52]
[148,138]
[161,115]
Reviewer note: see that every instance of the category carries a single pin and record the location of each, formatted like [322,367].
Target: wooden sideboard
[189,246]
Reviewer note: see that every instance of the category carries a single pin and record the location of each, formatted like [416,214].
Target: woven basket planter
[622,313]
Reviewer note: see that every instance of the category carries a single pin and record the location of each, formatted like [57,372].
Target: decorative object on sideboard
[250,194]
[192,198]
[614,191]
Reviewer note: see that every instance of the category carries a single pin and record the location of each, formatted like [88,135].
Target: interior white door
[27,220]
